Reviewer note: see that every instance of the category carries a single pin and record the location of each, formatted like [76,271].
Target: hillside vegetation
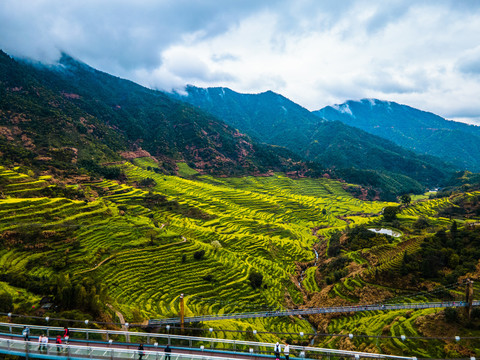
[200,237]
[68,117]
[138,245]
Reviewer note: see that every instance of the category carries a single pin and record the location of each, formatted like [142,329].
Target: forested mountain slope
[275,119]
[69,114]
[420,131]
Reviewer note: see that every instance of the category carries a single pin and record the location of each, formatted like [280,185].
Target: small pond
[387,232]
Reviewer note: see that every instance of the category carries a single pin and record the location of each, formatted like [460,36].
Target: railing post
[182,312]
[26,350]
[469,298]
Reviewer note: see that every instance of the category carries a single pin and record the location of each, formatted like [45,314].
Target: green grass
[309,282]
[185,171]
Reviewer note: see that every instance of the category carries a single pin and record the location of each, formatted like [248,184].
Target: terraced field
[389,256]
[201,236]
[426,207]
[262,224]
[146,254]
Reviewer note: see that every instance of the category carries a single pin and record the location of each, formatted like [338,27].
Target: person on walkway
[286,351]
[59,342]
[276,350]
[26,333]
[40,342]
[168,351]
[140,351]
[45,343]
[66,334]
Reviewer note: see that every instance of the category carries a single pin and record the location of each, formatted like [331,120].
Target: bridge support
[182,312]
[468,298]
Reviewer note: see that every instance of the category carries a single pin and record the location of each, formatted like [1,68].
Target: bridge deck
[183,347]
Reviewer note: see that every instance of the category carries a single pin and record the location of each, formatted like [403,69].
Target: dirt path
[122,321]
[97,266]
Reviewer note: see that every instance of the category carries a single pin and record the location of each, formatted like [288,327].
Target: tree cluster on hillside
[359,237]
[85,294]
[33,238]
[385,185]
[446,255]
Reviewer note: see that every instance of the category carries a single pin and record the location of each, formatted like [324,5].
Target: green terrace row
[161,276]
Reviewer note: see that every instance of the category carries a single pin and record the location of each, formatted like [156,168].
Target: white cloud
[421,53]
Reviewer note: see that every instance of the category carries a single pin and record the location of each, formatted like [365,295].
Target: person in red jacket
[59,343]
[66,334]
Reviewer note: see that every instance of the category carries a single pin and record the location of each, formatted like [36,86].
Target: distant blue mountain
[420,131]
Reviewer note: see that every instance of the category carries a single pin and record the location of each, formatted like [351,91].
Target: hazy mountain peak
[420,131]
[343,108]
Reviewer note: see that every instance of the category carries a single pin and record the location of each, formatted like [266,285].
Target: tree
[334,244]
[390,213]
[255,279]
[151,235]
[216,245]
[147,182]
[6,302]
[405,199]
[451,315]
[406,266]
[454,228]
[81,296]
[198,255]
[421,223]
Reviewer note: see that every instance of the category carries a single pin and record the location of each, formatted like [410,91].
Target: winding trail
[122,321]
[98,265]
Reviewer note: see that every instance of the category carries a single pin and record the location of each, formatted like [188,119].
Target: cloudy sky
[316,52]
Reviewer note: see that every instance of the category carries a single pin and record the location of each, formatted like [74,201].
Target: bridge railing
[310,311]
[191,342]
[51,351]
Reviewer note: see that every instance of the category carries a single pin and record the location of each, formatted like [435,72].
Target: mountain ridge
[76,98]
[421,131]
[273,118]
